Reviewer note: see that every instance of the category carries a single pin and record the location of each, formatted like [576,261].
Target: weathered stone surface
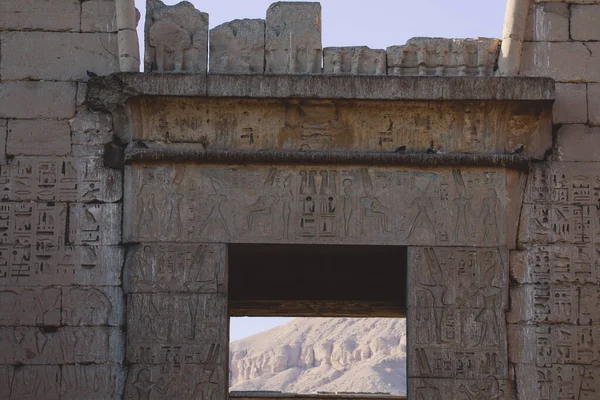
[171,267]
[59,179]
[584,22]
[37,99]
[238,47]
[545,345]
[38,137]
[92,306]
[91,128]
[94,382]
[556,264]
[98,16]
[30,306]
[177,329]
[443,57]
[456,318]
[52,15]
[486,388]
[346,126]
[65,346]
[551,22]
[577,142]
[315,205]
[570,106]
[176,38]
[562,61]
[206,381]
[58,56]
[32,382]
[354,60]
[293,38]
[594,104]
[3,135]
[81,94]
[95,224]
[557,381]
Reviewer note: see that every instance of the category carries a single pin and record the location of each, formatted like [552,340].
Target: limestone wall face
[554,331]
[61,301]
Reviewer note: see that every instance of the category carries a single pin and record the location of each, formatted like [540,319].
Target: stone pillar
[177,337]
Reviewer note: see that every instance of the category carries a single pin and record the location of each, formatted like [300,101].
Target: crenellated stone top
[288,41]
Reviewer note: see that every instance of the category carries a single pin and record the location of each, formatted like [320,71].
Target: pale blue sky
[374,23]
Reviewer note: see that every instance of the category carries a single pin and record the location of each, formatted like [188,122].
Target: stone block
[207,381]
[58,56]
[290,205]
[594,104]
[293,38]
[30,306]
[556,264]
[129,51]
[34,382]
[354,60]
[562,61]
[60,179]
[37,99]
[92,128]
[98,16]
[577,142]
[92,306]
[176,38]
[92,382]
[584,22]
[67,345]
[172,267]
[81,94]
[551,22]
[95,224]
[48,15]
[238,47]
[570,106]
[38,138]
[176,328]
[435,388]
[61,265]
[422,56]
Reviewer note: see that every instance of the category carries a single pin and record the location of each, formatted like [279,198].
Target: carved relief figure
[348,196]
[434,280]
[484,389]
[372,209]
[146,210]
[489,212]
[424,203]
[489,293]
[462,232]
[287,198]
[264,204]
[428,392]
[144,385]
[215,203]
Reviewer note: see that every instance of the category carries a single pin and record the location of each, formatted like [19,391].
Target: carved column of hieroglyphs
[312,204]
[62,308]
[457,327]
[177,320]
[555,315]
[293,38]
[176,38]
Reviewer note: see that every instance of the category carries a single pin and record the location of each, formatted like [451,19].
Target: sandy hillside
[307,355]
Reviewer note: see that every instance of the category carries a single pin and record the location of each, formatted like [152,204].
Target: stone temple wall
[61,301]
[63,329]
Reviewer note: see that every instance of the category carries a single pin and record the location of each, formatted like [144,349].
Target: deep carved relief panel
[315,205]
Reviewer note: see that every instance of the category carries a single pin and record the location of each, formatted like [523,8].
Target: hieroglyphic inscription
[92,306]
[562,204]
[93,382]
[28,345]
[456,312]
[174,267]
[324,205]
[34,382]
[59,179]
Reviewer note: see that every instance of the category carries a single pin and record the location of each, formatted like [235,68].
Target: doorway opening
[349,332]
